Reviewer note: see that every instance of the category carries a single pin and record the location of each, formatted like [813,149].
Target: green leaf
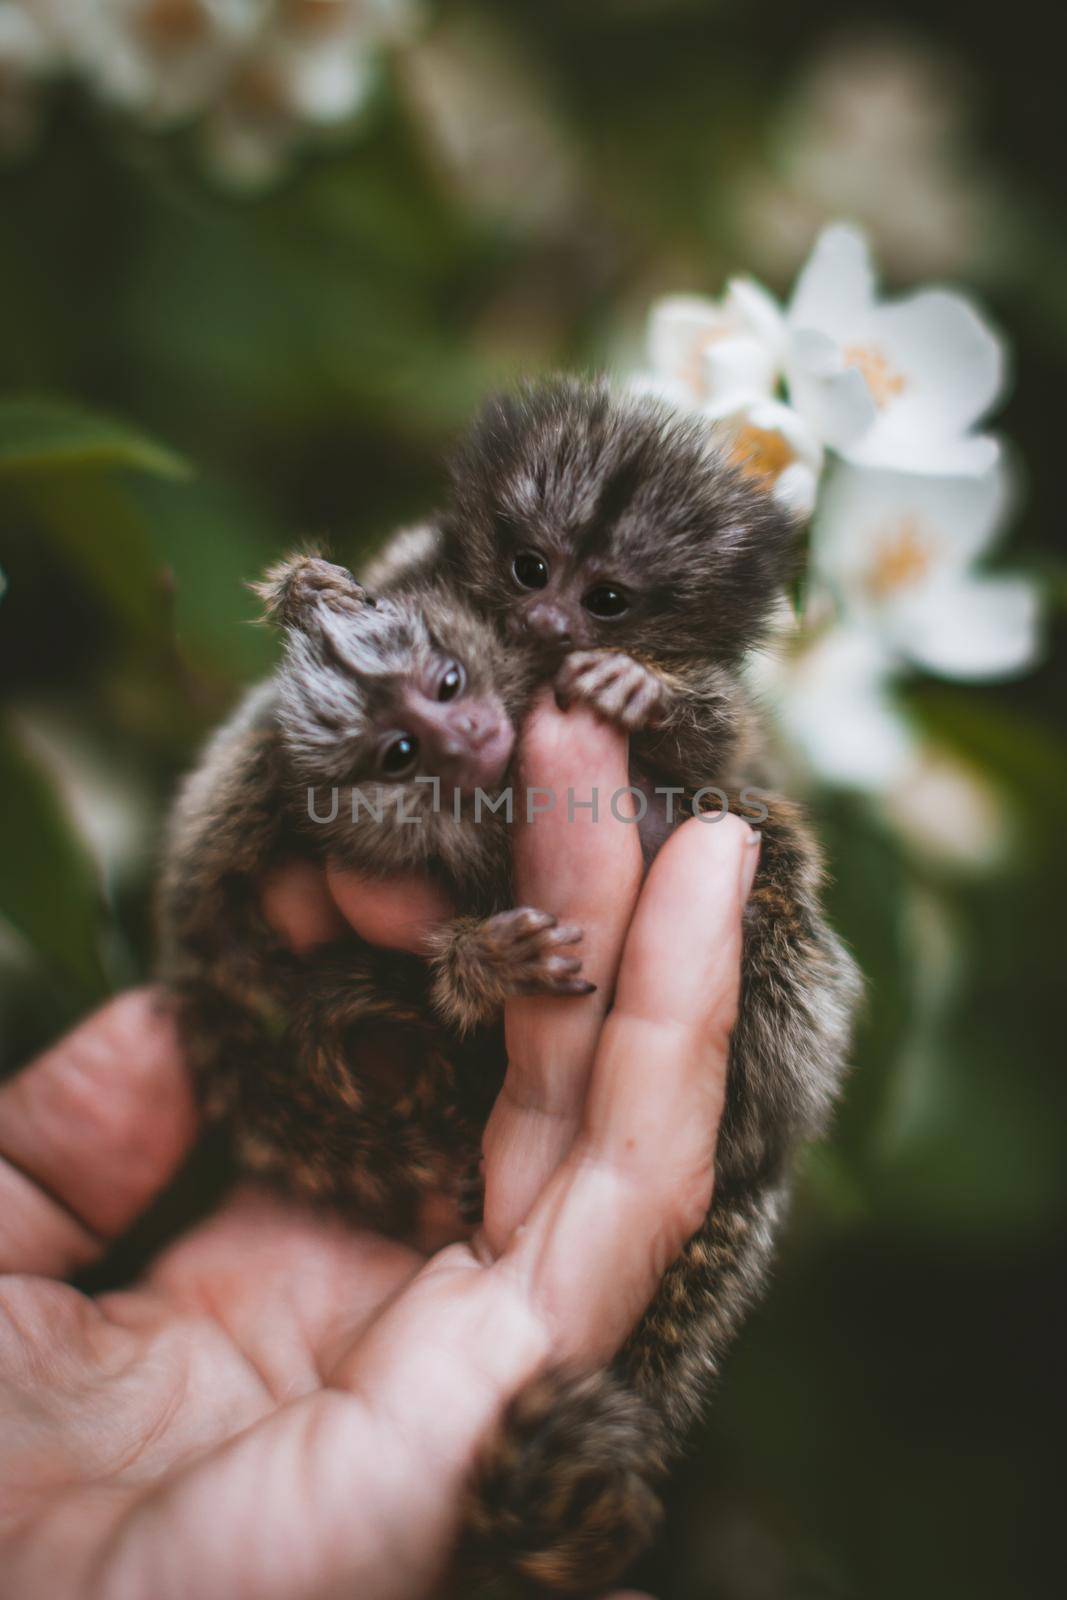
[210,540]
[48,887]
[36,434]
[90,518]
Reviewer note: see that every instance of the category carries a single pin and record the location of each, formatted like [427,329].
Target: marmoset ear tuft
[295,587]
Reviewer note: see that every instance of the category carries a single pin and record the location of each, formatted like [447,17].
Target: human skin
[285,1406]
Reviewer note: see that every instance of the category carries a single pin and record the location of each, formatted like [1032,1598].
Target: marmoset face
[575,599]
[432,725]
[582,520]
[384,691]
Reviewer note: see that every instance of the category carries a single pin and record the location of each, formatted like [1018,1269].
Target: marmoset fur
[603,545]
[354,1074]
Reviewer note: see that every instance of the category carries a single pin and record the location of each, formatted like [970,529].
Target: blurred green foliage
[295,364]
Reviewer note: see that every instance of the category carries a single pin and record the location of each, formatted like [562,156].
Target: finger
[89,1134]
[638,1180]
[307,905]
[397,914]
[298,906]
[585,867]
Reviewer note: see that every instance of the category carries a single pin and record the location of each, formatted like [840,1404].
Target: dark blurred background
[200,363]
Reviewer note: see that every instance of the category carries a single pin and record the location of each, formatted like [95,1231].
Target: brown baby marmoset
[352,1074]
[620,552]
[604,545]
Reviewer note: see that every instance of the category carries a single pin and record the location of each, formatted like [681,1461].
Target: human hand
[284,1406]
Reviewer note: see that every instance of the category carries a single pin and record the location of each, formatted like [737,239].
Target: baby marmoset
[354,1074]
[633,564]
[600,544]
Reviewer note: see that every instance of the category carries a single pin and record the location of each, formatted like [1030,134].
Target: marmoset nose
[474,728]
[550,623]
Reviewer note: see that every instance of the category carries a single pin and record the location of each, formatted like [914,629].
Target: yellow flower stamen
[902,558]
[758,453]
[881,380]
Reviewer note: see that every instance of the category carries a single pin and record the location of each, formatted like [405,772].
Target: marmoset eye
[452,682]
[606,601]
[400,756]
[530,569]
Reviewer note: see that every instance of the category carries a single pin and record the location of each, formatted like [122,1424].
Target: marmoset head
[381,691]
[582,519]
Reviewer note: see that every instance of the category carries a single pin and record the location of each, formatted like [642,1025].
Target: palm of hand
[229,1373]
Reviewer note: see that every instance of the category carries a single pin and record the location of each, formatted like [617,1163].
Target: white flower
[258,74]
[771,442]
[717,355]
[840,724]
[327,83]
[310,65]
[945,809]
[832,699]
[323,51]
[723,360]
[898,550]
[163,60]
[897,383]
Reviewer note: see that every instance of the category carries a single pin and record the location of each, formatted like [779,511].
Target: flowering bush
[865,415]
[254,75]
[519,176]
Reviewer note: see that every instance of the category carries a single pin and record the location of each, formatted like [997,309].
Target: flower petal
[679,327]
[832,397]
[752,309]
[776,417]
[834,704]
[972,628]
[949,811]
[327,85]
[770,442]
[668,390]
[734,371]
[835,289]
[971,456]
[936,369]
[797,488]
[881,536]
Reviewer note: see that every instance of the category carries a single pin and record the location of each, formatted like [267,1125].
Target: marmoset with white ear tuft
[600,544]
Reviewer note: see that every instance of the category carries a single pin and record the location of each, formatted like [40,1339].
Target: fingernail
[749,862]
